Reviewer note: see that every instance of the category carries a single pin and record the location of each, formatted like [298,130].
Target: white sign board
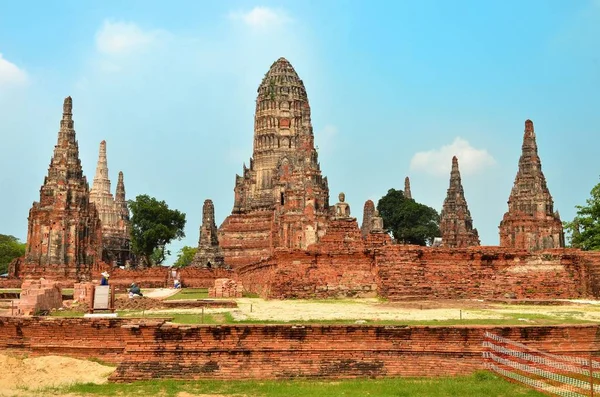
[101,297]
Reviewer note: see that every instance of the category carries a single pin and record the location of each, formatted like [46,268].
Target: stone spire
[209,254]
[280,199]
[456,224]
[113,213]
[120,200]
[407,193]
[100,193]
[64,235]
[531,222]
[367,221]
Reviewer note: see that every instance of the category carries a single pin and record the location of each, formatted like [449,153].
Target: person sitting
[104,278]
[176,284]
[134,291]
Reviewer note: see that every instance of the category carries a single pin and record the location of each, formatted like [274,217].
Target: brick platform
[151,348]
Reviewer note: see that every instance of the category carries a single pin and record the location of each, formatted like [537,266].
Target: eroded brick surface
[64,236]
[281,199]
[531,221]
[151,348]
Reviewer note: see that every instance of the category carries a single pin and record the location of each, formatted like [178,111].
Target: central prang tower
[281,199]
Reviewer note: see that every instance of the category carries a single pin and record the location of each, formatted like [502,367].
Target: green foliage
[10,248]
[153,226]
[185,256]
[585,227]
[478,384]
[410,222]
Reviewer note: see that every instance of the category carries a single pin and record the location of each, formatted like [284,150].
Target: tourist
[134,291]
[176,284]
[104,279]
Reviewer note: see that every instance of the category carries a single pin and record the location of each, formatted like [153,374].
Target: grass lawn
[479,384]
[190,293]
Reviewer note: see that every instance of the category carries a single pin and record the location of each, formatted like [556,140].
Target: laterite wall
[148,349]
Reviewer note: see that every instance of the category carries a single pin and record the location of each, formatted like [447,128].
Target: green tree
[410,222]
[10,248]
[153,226]
[585,227]
[185,256]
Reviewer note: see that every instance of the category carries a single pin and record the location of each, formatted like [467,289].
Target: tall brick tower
[113,213]
[209,254]
[281,200]
[456,224]
[64,233]
[367,221]
[531,221]
[407,192]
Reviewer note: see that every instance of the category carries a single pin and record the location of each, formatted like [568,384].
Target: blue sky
[396,88]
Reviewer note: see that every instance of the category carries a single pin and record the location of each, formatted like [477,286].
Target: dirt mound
[141,303]
[20,375]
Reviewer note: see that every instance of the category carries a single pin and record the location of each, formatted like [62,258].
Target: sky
[396,89]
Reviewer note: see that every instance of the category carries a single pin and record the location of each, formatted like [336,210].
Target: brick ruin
[209,254]
[456,224]
[407,192]
[154,348]
[367,221]
[284,240]
[281,200]
[113,212]
[531,221]
[64,236]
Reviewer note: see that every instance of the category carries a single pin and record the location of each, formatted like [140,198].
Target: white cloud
[10,74]
[261,17]
[116,38]
[439,161]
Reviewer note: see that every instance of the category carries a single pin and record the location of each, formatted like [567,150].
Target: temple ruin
[367,220]
[531,222]
[456,224]
[113,212]
[209,253]
[407,192]
[64,236]
[281,199]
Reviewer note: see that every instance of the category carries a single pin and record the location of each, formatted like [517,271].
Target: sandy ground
[375,310]
[160,293]
[21,376]
[347,309]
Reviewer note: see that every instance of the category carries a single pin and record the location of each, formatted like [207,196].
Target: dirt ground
[24,376]
[376,310]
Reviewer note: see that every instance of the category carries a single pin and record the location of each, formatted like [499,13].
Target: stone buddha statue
[377,223]
[342,209]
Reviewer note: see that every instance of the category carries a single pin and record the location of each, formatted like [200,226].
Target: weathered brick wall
[202,278]
[77,337]
[147,349]
[340,265]
[155,277]
[84,293]
[39,295]
[226,288]
[480,272]
[256,277]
